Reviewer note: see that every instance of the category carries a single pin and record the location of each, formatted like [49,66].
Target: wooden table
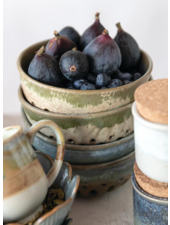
[113,208]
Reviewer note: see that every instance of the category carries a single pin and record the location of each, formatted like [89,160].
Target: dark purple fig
[102,80]
[92,32]
[103,54]
[91,78]
[45,69]
[88,86]
[129,48]
[136,76]
[58,45]
[115,83]
[79,83]
[74,65]
[70,33]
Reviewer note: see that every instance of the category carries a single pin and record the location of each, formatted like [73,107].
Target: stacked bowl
[97,125]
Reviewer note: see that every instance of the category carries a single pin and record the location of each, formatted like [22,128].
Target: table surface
[113,208]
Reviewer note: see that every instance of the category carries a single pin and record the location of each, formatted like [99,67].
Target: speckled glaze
[147,208]
[83,154]
[68,184]
[95,128]
[61,100]
[104,177]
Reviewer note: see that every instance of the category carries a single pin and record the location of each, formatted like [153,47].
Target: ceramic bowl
[147,208]
[60,100]
[151,146]
[100,178]
[83,154]
[64,181]
[95,128]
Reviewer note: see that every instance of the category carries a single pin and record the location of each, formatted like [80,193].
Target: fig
[45,69]
[129,48]
[70,33]
[92,32]
[103,54]
[58,45]
[74,65]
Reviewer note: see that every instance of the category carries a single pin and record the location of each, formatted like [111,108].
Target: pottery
[151,146]
[100,178]
[147,208]
[60,100]
[83,154]
[24,180]
[88,129]
[67,183]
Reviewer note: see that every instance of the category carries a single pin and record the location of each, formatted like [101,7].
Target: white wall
[30,21]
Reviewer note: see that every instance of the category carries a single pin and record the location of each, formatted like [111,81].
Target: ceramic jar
[147,208]
[151,146]
[25,183]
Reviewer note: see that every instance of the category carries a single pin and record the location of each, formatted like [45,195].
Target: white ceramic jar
[151,147]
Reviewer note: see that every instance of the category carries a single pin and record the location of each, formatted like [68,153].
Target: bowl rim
[98,147]
[144,194]
[56,208]
[87,92]
[61,115]
[101,165]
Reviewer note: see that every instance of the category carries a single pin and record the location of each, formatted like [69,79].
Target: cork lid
[152,101]
[149,185]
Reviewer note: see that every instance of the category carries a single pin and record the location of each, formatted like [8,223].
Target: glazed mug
[151,147]
[25,183]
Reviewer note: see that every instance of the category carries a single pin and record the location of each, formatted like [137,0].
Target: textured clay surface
[152,101]
[149,185]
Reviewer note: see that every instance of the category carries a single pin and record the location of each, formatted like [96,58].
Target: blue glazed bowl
[83,154]
[148,209]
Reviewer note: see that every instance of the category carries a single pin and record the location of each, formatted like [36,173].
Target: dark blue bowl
[148,209]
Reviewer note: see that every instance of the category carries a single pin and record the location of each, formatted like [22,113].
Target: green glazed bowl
[88,129]
[60,100]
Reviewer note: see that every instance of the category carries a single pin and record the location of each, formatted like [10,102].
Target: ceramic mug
[151,147]
[25,183]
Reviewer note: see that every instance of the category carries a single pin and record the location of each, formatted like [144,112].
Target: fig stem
[105,32]
[97,15]
[56,33]
[73,68]
[40,51]
[119,26]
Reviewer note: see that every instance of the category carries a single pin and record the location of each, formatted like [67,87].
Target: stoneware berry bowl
[104,177]
[147,208]
[67,183]
[83,154]
[60,100]
[88,129]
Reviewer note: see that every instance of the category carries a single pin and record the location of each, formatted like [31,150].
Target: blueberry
[79,83]
[91,78]
[88,86]
[103,88]
[136,76]
[70,85]
[126,81]
[71,88]
[115,83]
[102,80]
[114,75]
[124,76]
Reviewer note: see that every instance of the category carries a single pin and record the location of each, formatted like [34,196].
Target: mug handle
[60,145]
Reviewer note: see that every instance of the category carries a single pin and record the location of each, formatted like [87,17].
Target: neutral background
[27,22]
